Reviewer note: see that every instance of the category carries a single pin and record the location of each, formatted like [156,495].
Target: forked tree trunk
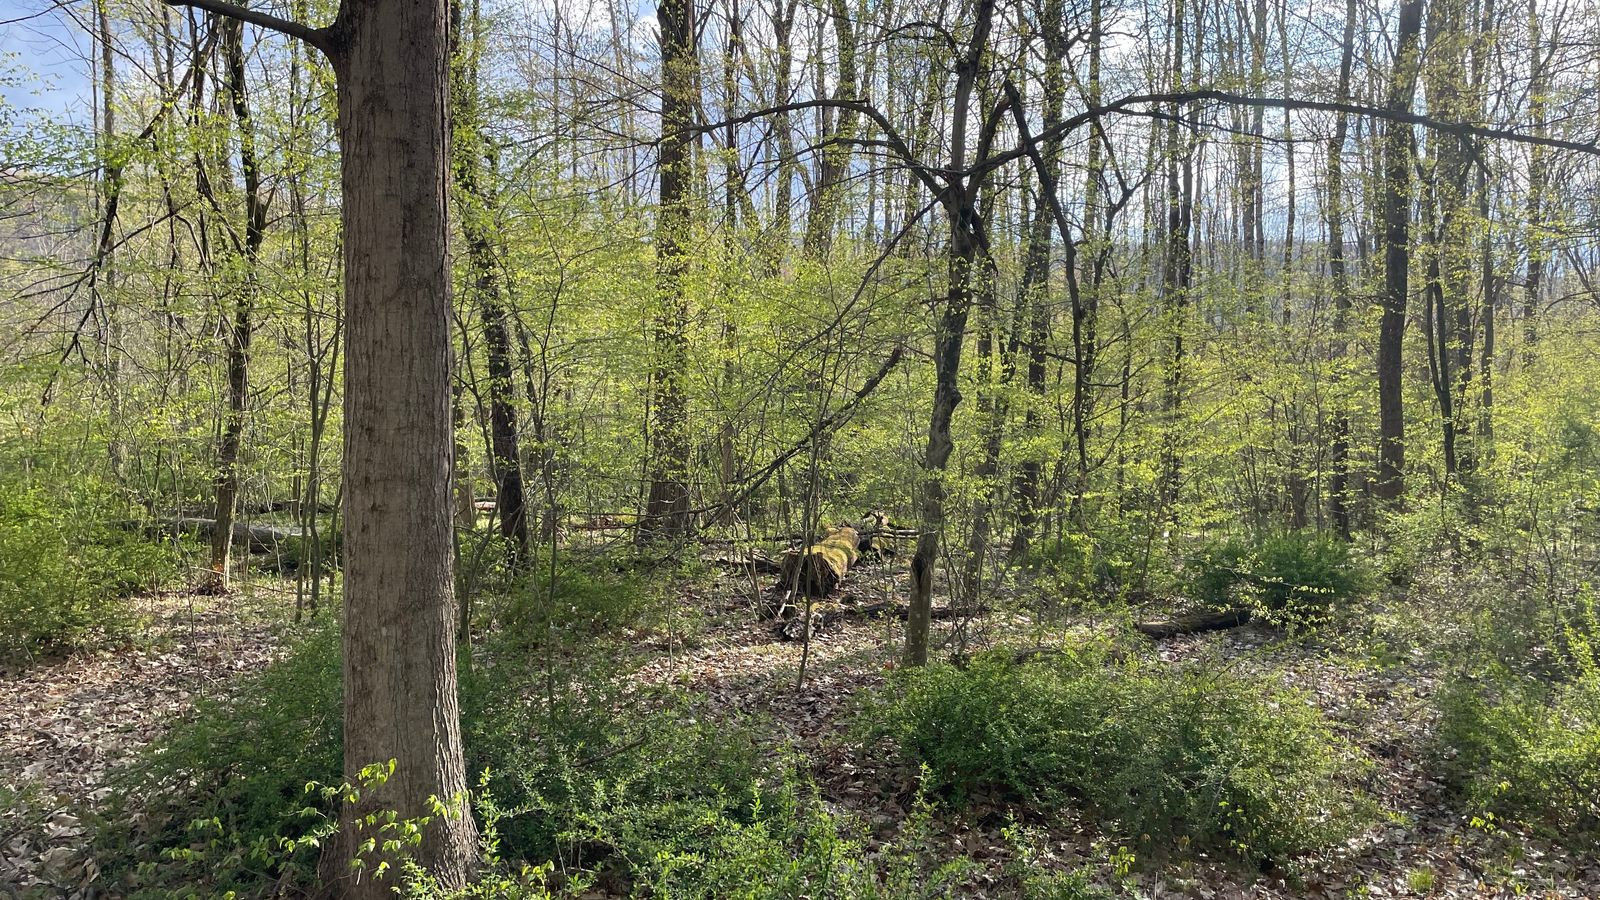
[965,246]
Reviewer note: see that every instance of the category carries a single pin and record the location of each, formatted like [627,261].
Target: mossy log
[820,569]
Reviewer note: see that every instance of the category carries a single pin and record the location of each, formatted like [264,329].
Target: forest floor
[66,723]
[1380,700]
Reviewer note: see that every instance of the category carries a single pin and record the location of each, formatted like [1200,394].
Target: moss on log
[820,569]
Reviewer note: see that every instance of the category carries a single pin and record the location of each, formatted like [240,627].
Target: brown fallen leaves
[66,724]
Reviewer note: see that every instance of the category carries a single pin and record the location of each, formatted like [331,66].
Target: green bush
[1518,748]
[1176,757]
[1079,565]
[67,569]
[209,805]
[1295,576]
[583,599]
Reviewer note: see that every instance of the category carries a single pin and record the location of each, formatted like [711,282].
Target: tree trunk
[965,243]
[1339,480]
[399,608]
[667,511]
[834,160]
[239,335]
[1397,155]
[1035,288]
[1177,273]
[1538,174]
[479,230]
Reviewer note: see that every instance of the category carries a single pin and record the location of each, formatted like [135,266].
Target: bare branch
[316,37]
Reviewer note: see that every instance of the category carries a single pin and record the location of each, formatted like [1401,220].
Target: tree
[400,705]
[967,262]
[667,512]
[242,326]
[1339,476]
[1396,222]
[478,212]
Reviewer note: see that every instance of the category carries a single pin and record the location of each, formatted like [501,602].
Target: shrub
[1172,756]
[582,600]
[211,802]
[1517,748]
[66,569]
[1079,565]
[1295,576]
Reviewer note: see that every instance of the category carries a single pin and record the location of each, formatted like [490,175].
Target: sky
[44,57]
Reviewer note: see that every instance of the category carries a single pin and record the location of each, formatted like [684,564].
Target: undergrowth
[1524,747]
[1193,757]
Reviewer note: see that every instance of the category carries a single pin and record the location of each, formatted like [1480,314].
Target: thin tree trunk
[478,214]
[239,335]
[1538,174]
[1339,480]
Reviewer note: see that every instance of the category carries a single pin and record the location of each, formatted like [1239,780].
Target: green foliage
[609,784]
[1037,882]
[1294,576]
[571,606]
[1174,757]
[1522,748]
[218,796]
[1078,564]
[786,844]
[67,570]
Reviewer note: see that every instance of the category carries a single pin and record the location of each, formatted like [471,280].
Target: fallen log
[259,538]
[880,540]
[818,570]
[1193,623]
[761,563]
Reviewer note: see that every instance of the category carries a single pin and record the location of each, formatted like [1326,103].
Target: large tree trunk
[667,511]
[399,607]
[239,335]
[1396,257]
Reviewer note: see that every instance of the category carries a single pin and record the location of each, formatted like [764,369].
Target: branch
[316,37]
[755,481]
[1462,129]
